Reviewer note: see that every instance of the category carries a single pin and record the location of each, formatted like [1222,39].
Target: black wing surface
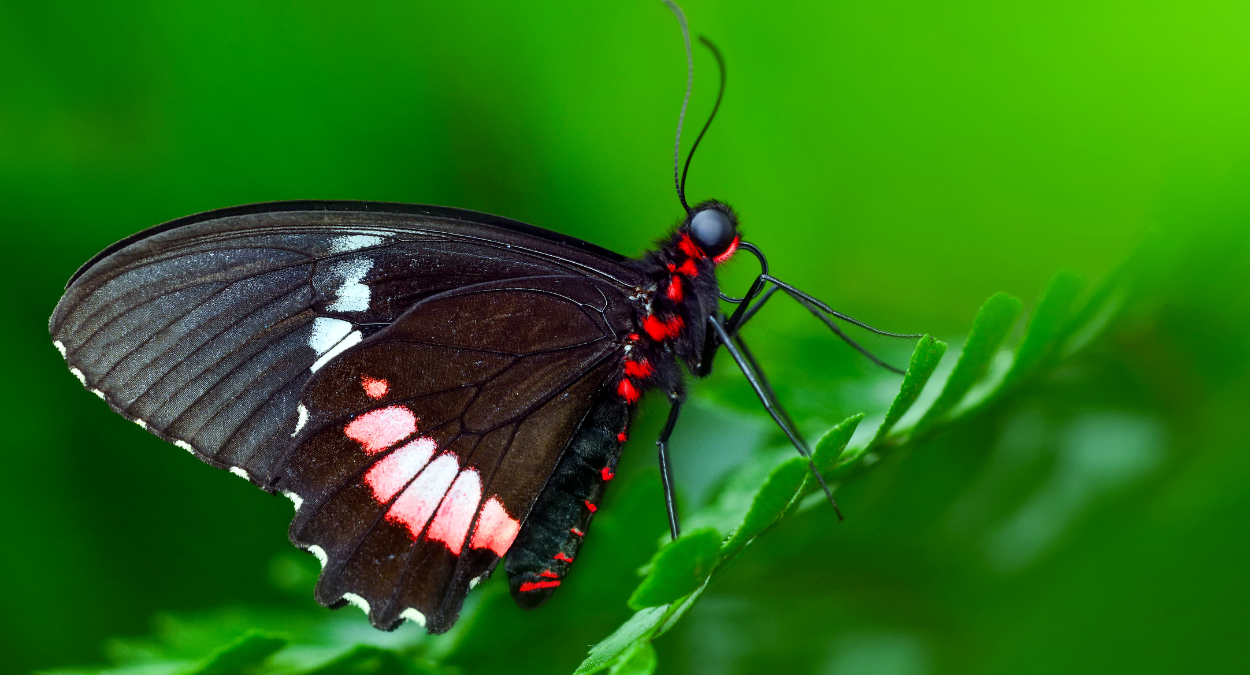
[423,449]
[205,330]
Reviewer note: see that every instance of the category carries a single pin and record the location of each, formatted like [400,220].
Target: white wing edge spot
[318,553]
[413,616]
[185,446]
[356,600]
[142,424]
[99,393]
[349,341]
[298,501]
[60,347]
[303,419]
[240,473]
[78,374]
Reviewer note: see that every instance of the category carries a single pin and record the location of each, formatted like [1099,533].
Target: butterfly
[433,388]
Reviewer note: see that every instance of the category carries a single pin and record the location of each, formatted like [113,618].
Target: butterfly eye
[713,230]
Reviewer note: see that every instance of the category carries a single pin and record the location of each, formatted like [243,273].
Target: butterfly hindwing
[425,446]
[205,330]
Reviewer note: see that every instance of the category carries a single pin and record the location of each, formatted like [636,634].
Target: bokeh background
[901,160]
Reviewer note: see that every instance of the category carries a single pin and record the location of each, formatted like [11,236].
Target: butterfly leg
[764,391]
[666,469]
[735,322]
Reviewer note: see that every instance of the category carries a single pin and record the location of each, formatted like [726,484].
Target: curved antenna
[720,63]
[678,179]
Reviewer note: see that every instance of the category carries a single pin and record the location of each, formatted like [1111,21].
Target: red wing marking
[379,429]
[495,528]
[414,507]
[639,369]
[536,585]
[392,473]
[561,557]
[455,514]
[590,506]
[374,387]
[607,474]
[729,252]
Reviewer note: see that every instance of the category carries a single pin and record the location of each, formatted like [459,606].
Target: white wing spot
[185,446]
[142,424]
[347,342]
[298,501]
[353,599]
[303,418]
[60,347]
[413,616]
[353,242]
[352,296]
[99,393]
[327,332]
[318,552]
[240,473]
[78,374]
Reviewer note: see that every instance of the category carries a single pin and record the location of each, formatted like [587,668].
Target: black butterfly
[432,388]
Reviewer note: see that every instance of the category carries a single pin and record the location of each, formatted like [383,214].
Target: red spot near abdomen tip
[621,437]
[576,531]
[628,391]
[561,557]
[663,330]
[536,585]
[638,369]
[549,574]
[606,472]
[374,387]
[590,506]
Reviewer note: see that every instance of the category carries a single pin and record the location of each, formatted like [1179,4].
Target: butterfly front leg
[666,469]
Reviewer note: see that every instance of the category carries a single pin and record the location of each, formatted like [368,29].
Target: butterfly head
[713,227]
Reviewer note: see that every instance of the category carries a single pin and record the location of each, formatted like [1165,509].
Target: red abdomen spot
[628,391]
[561,557]
[576,531]
[591,507]
[663,330]
[639,369]
[536,585]
[607,474]
[621,437]
[674,289]
[549,574]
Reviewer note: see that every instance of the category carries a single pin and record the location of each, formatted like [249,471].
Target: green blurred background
[901,160]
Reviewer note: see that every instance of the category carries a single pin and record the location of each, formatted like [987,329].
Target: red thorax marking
[576,531]
[561,557]
[549,574]
[606,472]
[590,506]
[536,585]
[374,387]
[638,369]
[663,330]
[689,248]
[674,289]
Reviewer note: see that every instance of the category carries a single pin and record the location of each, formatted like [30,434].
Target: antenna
[720,62]
[681,118]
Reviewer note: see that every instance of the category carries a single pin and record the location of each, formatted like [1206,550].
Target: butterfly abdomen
[551,538]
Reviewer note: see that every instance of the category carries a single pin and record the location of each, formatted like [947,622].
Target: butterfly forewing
[206,330]
[425,447]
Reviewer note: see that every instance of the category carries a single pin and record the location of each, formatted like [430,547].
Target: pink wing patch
[374,387]
[379,429]
[418,501]
[392,473]
[451,525]
[495,528]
